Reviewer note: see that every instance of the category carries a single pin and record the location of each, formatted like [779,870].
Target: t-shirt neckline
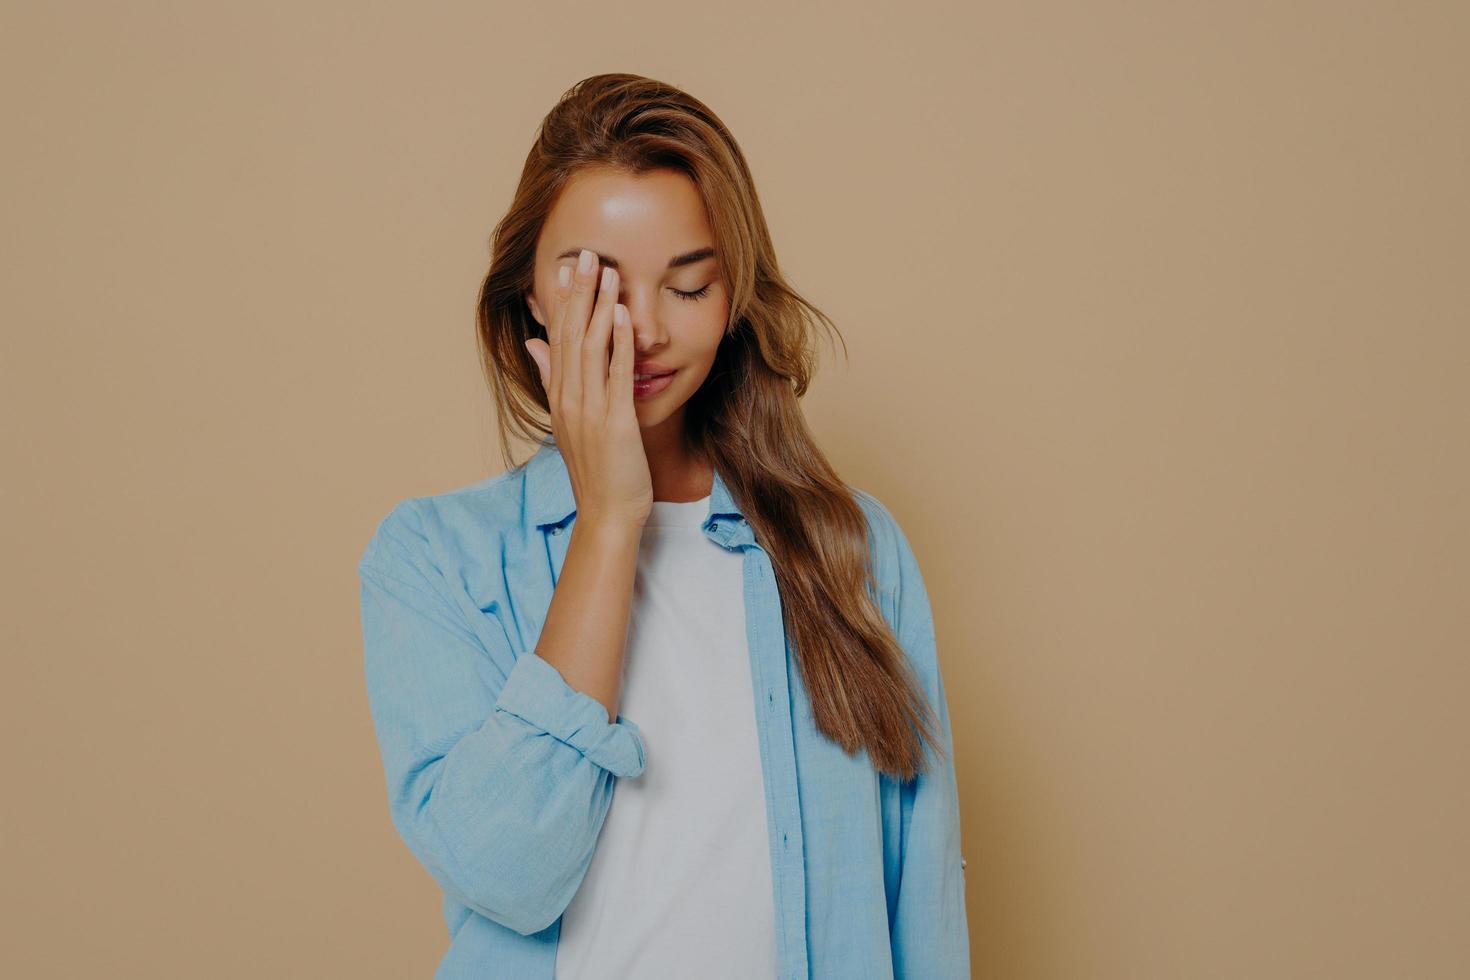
[679,513]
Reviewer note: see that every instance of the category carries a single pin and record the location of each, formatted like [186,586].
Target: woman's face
[654,230]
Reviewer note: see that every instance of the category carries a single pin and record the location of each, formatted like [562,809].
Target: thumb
[534,347]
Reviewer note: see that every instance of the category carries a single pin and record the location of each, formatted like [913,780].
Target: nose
[648,330]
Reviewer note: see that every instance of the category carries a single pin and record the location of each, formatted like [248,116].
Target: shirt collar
[549,497]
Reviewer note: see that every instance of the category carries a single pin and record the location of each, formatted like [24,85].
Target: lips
[648,387]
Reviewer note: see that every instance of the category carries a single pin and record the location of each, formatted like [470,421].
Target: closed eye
[693,297]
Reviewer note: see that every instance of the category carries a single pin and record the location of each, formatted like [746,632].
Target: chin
[652,416]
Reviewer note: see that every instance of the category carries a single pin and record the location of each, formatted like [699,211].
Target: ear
[535,309]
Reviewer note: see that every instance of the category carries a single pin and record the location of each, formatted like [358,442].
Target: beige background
[1156,318]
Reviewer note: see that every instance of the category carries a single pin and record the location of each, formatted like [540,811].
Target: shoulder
[888,545]
[444,528]
[903,593]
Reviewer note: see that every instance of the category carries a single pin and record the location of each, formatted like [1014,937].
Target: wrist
[611,531]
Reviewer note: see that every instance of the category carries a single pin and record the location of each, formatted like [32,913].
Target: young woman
[675,597]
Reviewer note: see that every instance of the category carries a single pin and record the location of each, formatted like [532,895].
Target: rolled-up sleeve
[499,773]
[929,927]
[536,693]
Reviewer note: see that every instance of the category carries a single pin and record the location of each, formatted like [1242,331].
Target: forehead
[640,220]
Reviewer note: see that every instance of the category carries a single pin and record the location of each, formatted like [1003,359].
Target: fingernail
[585,261]
[564,274]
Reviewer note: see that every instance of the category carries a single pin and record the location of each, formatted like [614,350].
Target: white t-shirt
[680,883]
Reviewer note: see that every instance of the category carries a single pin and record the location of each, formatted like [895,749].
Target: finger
[620,367]
[594,346]
[559,296]
[574,328]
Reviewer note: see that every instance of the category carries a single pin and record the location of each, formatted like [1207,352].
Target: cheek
[703,328]
[704,336]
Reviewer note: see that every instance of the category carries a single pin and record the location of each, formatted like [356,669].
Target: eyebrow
[688,258]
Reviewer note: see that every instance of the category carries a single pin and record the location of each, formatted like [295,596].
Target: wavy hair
[745,418]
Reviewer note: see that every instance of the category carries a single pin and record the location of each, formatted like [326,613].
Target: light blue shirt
[499,773]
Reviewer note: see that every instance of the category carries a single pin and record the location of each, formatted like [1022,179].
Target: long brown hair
[745,418]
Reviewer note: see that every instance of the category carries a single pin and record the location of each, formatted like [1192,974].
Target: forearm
[586,627]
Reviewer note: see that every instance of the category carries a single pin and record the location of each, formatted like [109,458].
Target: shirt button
[714,526]
[556,530]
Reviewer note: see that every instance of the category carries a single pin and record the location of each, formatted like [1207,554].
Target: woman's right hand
[591,396]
